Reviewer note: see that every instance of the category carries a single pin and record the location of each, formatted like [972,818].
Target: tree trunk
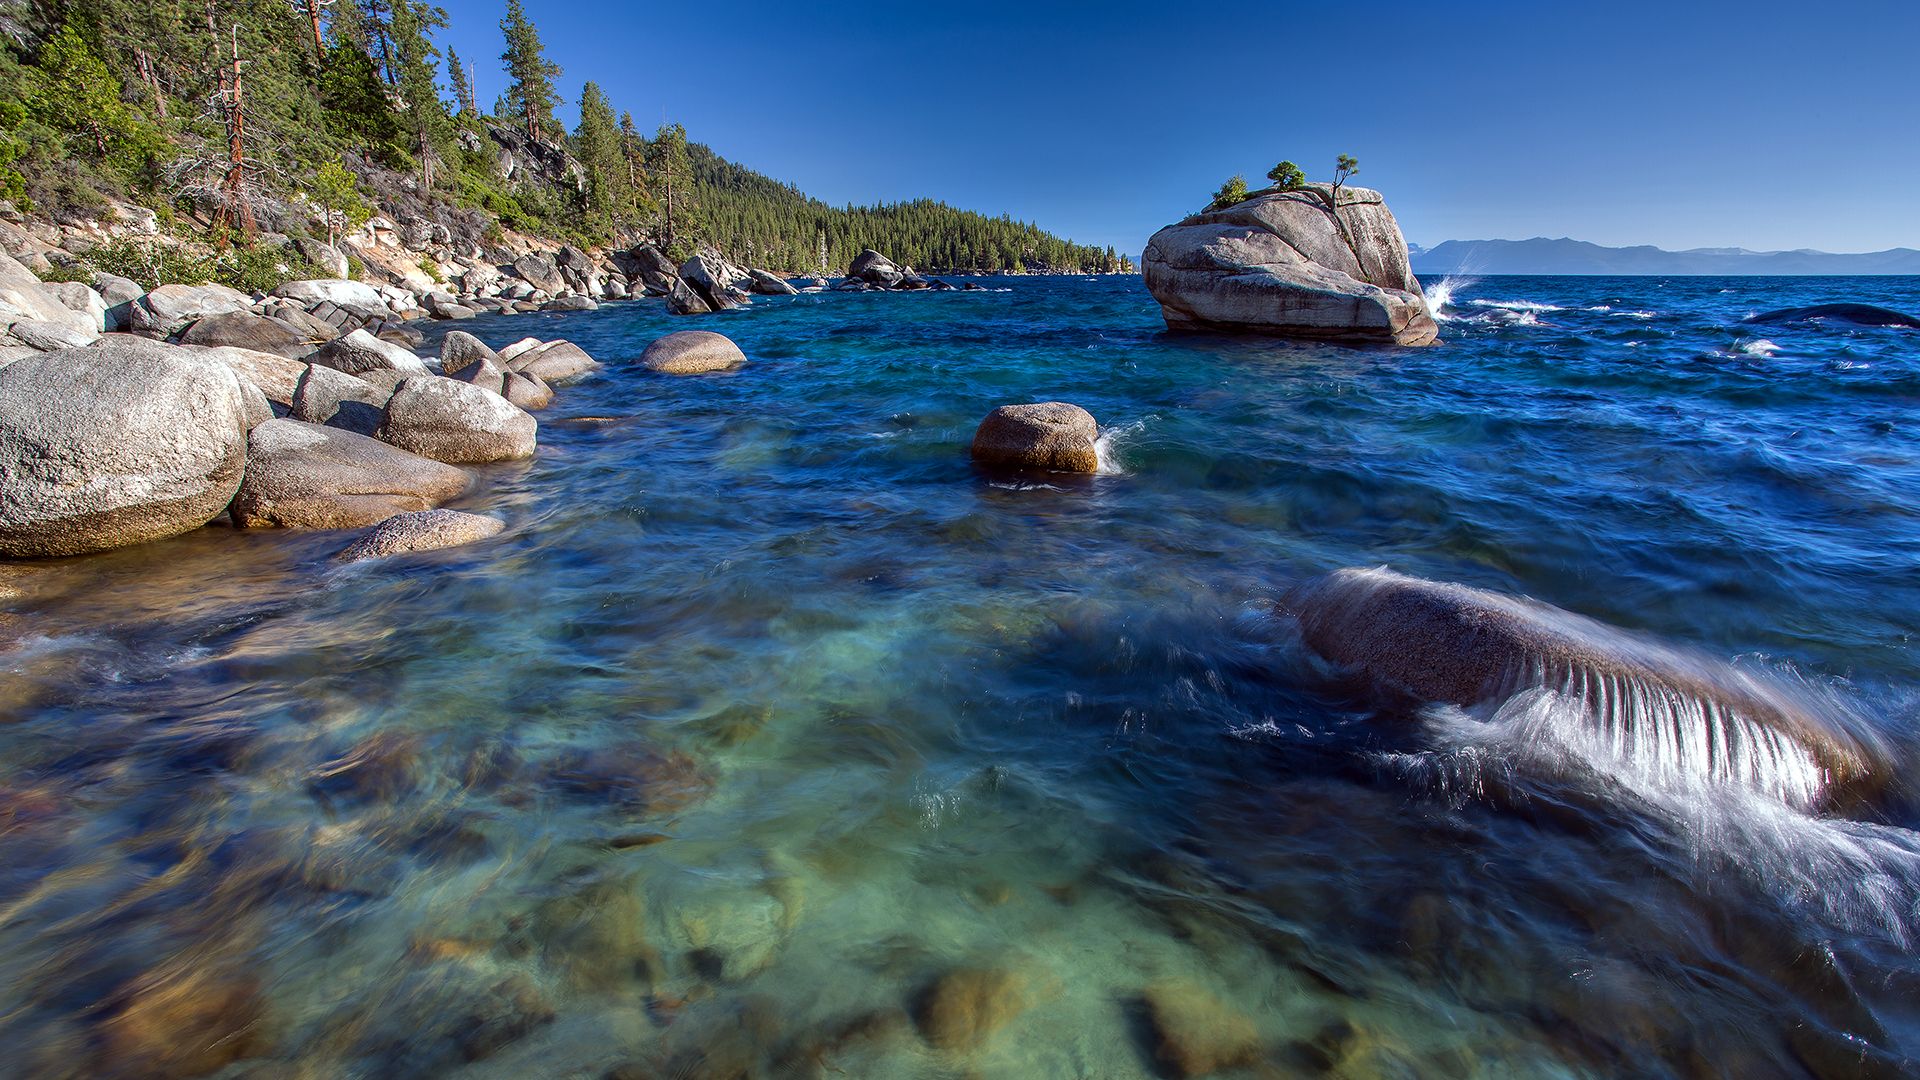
[235,207]
[313,16]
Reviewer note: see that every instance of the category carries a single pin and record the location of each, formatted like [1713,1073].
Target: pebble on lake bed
[423,530]
[1050,435]
[692,352]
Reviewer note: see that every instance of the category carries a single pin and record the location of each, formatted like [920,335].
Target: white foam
[1109,443]
[1515,305]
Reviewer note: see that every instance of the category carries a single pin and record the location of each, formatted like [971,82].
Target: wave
[1439,296]
[1107,447]
[1864,876]
[1516,305]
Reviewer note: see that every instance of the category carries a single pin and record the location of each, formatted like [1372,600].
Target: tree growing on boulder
[1287,176]
[1344,168]
[1232,192]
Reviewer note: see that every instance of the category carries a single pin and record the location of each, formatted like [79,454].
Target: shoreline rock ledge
[1281,263]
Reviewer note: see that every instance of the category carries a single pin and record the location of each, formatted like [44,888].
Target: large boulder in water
[692,352]
[874,268]
[1285,263]
[305,476]
[116,444]
[1448,643]
[1049,435]
[1857,314]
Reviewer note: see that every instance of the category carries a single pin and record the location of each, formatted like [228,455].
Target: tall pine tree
[423,113]
[530,93]
[596,142]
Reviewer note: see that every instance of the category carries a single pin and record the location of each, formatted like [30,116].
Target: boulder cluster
[871,271]
[133,420]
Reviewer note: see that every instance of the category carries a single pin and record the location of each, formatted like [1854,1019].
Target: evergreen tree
[530,92]
[348,26]
[633,157]
[672,168]
[76,93]
[596,142]
[460,83]
[357,110]
[424,114]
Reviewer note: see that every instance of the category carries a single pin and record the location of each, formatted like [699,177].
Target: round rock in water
[692,352]
[115,445]
[425,530]
[1050,435]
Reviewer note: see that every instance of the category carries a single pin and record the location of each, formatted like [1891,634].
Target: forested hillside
[242,122]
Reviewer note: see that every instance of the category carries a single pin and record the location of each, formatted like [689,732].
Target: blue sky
[1687,123]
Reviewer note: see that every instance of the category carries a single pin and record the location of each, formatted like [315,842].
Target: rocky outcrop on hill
[1291,264]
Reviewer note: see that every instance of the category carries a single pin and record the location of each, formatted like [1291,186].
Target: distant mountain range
[1543,256]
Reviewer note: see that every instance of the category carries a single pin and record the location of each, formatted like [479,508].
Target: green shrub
[1232,192]
[151,262]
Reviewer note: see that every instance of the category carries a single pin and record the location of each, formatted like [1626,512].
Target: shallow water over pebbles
[771,739]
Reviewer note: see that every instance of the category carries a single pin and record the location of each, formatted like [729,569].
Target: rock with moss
[1049,435]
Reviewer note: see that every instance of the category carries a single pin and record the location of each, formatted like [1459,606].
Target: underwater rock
[382,768]
[596,936]
[514,1009]
[114,445]
[1857,314]
[1450,643]
[305,476]
[1197,1034]
[964,1007]
[1282,263]
[422,530]
[692,352]
[1051,435]
[182,1024]
[634,776]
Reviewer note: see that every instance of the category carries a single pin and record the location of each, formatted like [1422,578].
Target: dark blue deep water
[772,739]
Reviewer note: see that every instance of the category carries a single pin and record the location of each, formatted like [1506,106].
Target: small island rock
[1284,263]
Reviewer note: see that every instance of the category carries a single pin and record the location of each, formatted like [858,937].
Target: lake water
[772,739]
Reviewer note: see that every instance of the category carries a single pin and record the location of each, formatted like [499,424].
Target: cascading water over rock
[1658,707]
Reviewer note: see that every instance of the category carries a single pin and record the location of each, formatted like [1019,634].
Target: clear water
[768,713]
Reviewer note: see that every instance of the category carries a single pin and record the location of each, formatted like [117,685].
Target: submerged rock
[305,476]
[183,1024]
[1051,435]
[1197,1034]
[116,444]
[967,1005]
[1284,263]
[424,530]
[1450,643]
[1857,314]
[692,352]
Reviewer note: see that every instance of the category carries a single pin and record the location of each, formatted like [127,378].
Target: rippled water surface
[772,739]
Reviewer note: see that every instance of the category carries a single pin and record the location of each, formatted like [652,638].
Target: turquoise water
[772,739]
